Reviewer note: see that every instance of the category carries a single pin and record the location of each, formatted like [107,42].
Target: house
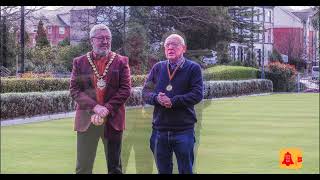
[262,44]
[64,22]
[295,36]
[55,22]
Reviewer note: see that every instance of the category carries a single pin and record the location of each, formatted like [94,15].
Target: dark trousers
[87,143]
[164,143]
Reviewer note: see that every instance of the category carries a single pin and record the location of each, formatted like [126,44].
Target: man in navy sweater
[173,86]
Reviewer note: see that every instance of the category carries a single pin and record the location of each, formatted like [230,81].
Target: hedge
[34,85]
[48,84]
[216,89]
[61,84]
[230,73]
[15,105]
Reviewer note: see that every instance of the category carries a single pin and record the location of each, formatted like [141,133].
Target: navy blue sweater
[187,91]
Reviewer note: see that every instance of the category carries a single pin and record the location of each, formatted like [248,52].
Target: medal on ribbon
[101,84]
[169,86]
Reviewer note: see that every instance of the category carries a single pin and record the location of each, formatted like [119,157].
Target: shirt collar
[178,62]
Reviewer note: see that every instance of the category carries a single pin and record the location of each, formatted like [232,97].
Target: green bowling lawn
[235,135]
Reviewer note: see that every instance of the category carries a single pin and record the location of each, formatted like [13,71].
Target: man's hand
[97,120]
[101,110]
[164,100]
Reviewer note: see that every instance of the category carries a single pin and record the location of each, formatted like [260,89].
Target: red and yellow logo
[290,158]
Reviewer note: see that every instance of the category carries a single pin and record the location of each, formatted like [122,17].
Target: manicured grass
[238,135]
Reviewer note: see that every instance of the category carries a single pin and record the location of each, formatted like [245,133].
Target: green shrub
[34,85]
[15,105]
[282,75]
[138,80]
[215,89]
[275,56]
[230,73]
[235,63]
[298,63]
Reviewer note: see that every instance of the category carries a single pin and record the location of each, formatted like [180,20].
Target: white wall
[283,18]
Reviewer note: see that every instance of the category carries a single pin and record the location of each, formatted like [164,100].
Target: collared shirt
[100,63]
[173,65]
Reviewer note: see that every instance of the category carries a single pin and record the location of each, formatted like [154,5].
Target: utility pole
[252,28]
[124,30]
[21,63]
[1,38]
[263,39]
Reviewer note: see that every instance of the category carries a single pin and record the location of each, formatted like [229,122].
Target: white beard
[101,53]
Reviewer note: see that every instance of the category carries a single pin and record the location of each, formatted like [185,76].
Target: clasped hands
[100,115]
[164,100]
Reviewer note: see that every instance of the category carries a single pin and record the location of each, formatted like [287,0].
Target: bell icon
[287,159]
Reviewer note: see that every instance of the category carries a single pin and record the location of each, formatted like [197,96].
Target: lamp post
[263,39]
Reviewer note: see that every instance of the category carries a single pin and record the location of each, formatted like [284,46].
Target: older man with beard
[100,85]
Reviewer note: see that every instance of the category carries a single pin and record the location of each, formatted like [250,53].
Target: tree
[9,19]
[137,48]
[249,61]
[41,37]
[315,19]
[64,42]
[243,26]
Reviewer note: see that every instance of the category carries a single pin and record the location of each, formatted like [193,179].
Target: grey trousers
[87,143]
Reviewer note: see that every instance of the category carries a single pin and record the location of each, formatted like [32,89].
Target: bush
[66,54]
[275,56]
[235,63]
[215,89]
[15,105]
[42,59]
[299,64]
[34,85]
[282,75]
[32,82]
[230,73]
[138,80]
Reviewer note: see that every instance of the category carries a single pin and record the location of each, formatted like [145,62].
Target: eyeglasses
[101,38]
[174,45]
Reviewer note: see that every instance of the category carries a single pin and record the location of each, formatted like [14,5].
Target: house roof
[287,10]
[65,18]
[303,14]
[58,17]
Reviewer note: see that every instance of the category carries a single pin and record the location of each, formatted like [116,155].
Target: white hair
[176,36]
[99,27]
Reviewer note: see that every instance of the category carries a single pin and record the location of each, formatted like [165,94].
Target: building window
[233,52]
[258,14]
[61,30]
[256,36]
[35,29]
[240,53]
[49,29]
[258,55]
[269,14]
[269,35]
